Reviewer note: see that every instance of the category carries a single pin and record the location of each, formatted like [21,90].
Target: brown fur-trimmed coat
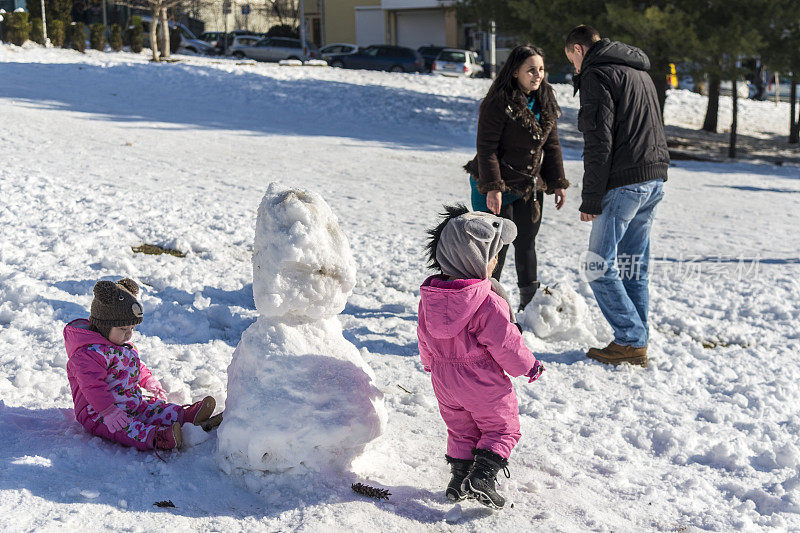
[510,136]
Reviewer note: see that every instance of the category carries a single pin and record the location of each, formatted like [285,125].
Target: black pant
[519,212]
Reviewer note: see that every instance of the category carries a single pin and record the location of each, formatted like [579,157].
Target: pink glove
[535,372]
[154,386]
[114,418]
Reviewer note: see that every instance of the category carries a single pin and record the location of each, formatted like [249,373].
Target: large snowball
[302,265]
[299,395]
[558,313]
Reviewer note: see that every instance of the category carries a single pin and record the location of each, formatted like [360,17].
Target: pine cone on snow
[372,492]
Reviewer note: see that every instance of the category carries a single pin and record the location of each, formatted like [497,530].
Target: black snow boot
[459,468]
[481,478]
[526,294]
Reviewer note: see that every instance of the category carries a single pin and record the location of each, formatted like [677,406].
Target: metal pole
[492,49]
[303,30]
[44,28]
[105,16]
[735,98]
[321,11]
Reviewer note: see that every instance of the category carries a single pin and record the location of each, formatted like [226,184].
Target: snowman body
[299,394]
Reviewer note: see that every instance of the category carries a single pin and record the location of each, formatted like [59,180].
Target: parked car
[242,41]
[337,48]
[380,57]
[458,63]
[276,49]
[189,42]
[211,37]
[429,53]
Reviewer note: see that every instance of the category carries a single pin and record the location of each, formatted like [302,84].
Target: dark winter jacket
[514,148]
[620,119]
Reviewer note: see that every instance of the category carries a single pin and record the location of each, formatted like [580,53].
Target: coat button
[532,152]
[530,167]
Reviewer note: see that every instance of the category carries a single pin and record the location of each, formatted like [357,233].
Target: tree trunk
[710,122]
[164,41]
[153,34]
[658,72]
[735,116]
[794,126]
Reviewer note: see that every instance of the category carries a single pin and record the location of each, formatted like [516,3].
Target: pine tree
[134,33]
[37,32]
[77,36]
[55,10]
[56,32]
[97,36]
[115,39]
[18,28]
[781,53]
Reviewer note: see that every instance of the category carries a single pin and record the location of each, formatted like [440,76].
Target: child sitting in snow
[107,377]
[468,342]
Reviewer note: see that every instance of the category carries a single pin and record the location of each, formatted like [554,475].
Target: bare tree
[287,11]
[158,10]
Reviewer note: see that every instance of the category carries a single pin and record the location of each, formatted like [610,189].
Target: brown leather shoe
[615,354]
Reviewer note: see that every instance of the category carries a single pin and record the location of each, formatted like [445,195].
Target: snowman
[299,394]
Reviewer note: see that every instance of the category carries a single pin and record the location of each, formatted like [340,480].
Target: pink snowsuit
[101,373]
[468,344]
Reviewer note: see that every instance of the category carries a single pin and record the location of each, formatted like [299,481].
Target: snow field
[102,152]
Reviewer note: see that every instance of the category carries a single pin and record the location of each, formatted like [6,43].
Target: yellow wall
[340,19]
[451,28]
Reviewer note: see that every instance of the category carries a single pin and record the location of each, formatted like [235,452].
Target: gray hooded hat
[469,241]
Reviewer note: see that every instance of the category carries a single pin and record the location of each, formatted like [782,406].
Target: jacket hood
[605,52]
[447,311]
[77,335]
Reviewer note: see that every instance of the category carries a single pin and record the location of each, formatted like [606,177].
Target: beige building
[411,23]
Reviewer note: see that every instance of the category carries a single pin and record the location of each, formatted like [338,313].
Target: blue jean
[620,238]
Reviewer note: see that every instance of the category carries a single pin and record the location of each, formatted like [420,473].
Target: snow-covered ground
[101,152]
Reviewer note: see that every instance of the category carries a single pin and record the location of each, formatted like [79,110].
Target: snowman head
[302,265]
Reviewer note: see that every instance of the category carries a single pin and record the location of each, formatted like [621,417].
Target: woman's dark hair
[451,212]
[505,84]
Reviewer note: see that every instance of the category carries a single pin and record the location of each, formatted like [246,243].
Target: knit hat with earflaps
[115,304]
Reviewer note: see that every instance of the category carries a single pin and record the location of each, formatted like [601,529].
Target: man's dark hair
[451,212]
[583,35]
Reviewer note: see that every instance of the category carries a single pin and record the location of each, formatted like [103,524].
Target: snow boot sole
[481,497]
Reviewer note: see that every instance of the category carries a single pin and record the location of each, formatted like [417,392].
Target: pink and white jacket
[101,373]
[464,321]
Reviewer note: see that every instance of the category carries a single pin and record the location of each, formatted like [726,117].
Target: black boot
[526,294]
[459,468]
[480,480]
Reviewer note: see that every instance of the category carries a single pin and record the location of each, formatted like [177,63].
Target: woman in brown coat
[519,157]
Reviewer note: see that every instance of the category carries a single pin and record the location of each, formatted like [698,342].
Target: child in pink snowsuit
[107,377]
[468,341]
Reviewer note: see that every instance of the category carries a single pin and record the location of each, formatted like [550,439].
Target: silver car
[188,41]
[242,41]
[337,48]
[277,49]
[457,63]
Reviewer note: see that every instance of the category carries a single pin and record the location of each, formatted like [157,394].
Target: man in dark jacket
[625,162]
